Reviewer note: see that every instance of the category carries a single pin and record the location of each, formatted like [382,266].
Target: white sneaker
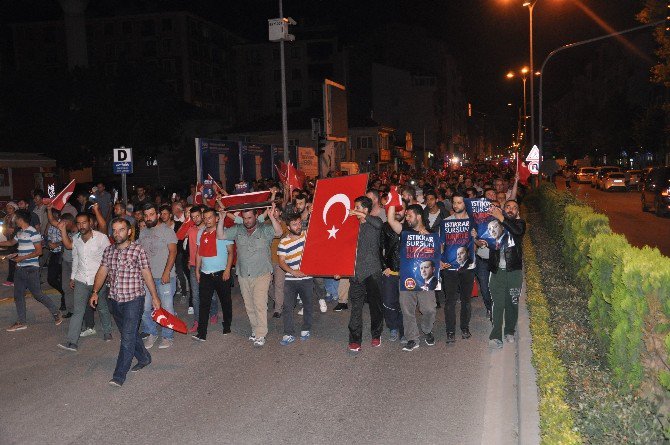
[323,306]
[190,310]
[301,311]
[150,340]
[165,343]
[509,338]
[252,337]
[88,332]
[260,341]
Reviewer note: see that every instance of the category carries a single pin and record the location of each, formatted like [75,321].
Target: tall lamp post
[524,76]
[530,4]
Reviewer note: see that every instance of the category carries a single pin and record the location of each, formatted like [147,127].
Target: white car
[585,174]
[614,181]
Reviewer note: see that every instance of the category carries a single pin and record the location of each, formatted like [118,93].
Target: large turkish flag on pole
[332,235]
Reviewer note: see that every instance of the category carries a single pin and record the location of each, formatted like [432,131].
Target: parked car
[656,191]
[585,174]
[633,178]
[614,181]
[599,177]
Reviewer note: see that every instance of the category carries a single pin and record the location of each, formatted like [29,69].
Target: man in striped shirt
[27,275]
[296,283]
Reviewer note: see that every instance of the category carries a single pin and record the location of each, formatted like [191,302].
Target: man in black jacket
[390,245]
[506,262]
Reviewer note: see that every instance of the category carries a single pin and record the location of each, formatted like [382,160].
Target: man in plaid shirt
[127,266]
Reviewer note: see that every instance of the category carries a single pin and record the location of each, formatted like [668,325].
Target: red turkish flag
[393,198]
[247,201]
[183,229]
[168,320]
[207,247]
[289,175]
[60,199]
[197,199]
[330,247]
[217,188]
[522,170]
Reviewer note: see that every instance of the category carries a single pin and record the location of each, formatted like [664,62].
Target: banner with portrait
[419,261]
[456,237]
[488,228]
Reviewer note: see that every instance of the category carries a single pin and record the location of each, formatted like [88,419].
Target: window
[277,99]
[295,53]
[197,86]
[109,51]
[149,48]
[148,28]
[316,95]
[364,142]
[277,75]
[109,29]
[294,142]
[320,71]
[296,98]
[169,66]
[168,46]
[296,74]
[166,25]
[275,54]
[127,27]
[319,50]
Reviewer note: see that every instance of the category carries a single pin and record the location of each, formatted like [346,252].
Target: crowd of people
[123,262]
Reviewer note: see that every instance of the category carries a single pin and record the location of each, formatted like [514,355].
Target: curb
[528,402]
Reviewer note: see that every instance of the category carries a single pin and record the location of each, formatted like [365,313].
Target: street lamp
[530,4]
[524,76]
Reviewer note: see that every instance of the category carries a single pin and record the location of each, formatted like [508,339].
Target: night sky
[487,37]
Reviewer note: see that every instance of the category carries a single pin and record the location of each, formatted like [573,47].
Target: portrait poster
[488,228]
[456,237]
[419,261]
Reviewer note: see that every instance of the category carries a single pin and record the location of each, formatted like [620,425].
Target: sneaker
[68,346]
[276,315]
[509,338]
[197,338]
[107,337]
[58,319]
[190,311]
[144,335]
[451,338]
[194,328]
[17,327]
[403,340]
[214,319]
[8,284]
[354,347]
[410,346]
[150,340]
[429,339]
[376,342]
[323,306]
[67,315]
[115,383]
[340,307]
[489,315]
[88,332]
[165,343]
[394,335]
[226,330]
[252,337]
[139,366]
[465,333]
[496,344]
[260,341]
[287,340]
[304,335]
[301,311]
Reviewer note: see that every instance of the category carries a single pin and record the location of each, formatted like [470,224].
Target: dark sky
[487,37]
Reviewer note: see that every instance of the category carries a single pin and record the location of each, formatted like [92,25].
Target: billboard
[308,163]
[220,159]
[256,162]
[336,127]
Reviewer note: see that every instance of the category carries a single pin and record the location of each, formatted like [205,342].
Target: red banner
[61,199]
[168,320]
[330,247]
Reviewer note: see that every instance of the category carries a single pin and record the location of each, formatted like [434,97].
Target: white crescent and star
[66,196]
[158,319]
[339,198]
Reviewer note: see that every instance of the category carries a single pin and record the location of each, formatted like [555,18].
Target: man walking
[506,263]
[213,264]
[127,266]
[390,244]
[409,299]
[365,285]
[160,243]
[27,274]
[457,282]
[296,282]
[87,249]
[254,266]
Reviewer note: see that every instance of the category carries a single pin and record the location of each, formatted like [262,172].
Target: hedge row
[629,292]
[556,421]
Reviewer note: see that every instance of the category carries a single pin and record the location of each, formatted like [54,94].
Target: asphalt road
[626,217]
[227,391]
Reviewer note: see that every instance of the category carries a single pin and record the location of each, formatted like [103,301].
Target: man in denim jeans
[27,274]
[192,245]
[160,243]
[127,266]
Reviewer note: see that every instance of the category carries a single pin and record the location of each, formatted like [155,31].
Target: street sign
[122,162]
[533,160]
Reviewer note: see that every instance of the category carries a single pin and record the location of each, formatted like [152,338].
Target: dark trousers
[208,284]
[368,290]
[293,288]
[506,289]
[182,276]
[127,317]
[54,275]
[391,303]
[457,285]
[11,266]
[483,272]
[89,317]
